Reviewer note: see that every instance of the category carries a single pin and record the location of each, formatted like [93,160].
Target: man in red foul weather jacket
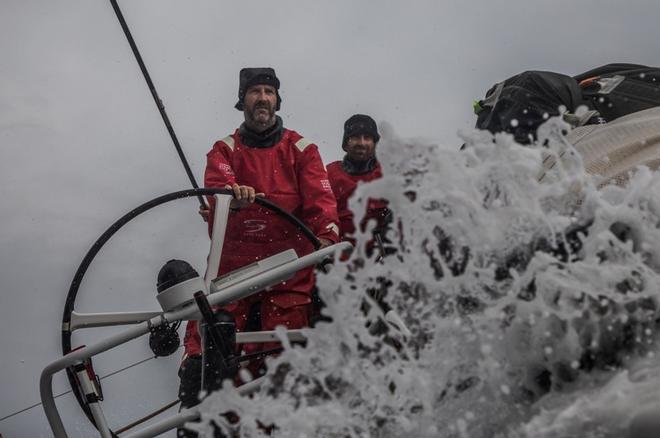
[358,166]
[262,158]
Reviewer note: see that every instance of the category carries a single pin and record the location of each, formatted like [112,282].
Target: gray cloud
[81,142]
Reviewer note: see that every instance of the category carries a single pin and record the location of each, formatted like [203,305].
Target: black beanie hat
[359,124]
[250,76]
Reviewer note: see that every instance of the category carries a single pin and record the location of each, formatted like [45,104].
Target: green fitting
[476,106]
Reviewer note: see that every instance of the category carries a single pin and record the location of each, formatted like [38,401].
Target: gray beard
[256,126]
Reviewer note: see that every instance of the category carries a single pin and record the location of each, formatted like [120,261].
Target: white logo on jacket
[254,225]
[226,168]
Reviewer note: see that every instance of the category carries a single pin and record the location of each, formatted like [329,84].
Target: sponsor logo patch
[254,225]
[226,168]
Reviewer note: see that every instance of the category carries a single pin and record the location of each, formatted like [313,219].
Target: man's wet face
[360,147]
[260,103]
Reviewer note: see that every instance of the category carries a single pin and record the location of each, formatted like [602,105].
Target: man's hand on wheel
[243,194]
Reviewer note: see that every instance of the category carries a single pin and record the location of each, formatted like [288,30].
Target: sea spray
[517,292]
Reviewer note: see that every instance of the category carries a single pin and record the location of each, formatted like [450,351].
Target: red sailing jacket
[290,174]
[343,186]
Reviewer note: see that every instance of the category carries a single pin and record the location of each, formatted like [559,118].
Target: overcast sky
[81,141]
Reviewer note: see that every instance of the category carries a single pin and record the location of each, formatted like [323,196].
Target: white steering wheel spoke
[220,218]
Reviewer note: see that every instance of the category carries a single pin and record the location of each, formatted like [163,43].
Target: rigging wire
[154,94]
[70,390]
[148,417]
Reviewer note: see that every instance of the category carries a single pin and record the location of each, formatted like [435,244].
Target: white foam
[482,375]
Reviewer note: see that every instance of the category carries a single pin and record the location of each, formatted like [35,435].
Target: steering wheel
[96,247]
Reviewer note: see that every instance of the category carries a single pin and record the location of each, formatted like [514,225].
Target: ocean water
[532,306]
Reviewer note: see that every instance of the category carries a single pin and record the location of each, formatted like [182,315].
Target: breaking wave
[533,306]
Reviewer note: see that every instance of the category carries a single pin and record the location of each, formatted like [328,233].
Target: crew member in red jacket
[358,166]
[262,158]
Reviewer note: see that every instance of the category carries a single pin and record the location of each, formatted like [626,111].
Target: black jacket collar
[268,138]
[358,167]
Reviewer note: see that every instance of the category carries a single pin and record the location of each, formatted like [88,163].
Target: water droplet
[462,426]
